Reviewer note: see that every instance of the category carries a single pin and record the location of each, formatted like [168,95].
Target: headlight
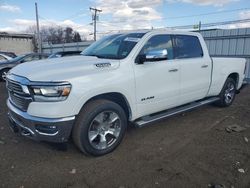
[50,93]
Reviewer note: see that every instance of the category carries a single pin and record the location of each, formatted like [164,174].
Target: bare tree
[77,37]
[68,35]
[57,35]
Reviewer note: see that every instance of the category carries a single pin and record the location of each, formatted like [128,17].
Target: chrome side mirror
[156,55]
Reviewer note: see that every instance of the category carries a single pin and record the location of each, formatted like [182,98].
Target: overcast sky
[17,15]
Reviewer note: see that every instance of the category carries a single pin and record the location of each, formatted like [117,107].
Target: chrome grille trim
[17,96]
[20,102]
[14,86]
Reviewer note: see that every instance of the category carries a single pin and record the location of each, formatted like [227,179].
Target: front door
[157,82]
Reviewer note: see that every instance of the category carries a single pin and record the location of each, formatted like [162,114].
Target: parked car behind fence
[64,54]
[9,64]
[4,57]
[10,54]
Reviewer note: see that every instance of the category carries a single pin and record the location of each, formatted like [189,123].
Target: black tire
[2,73]
[86,121]
[224,101]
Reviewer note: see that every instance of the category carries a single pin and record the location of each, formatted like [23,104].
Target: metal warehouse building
[231,43]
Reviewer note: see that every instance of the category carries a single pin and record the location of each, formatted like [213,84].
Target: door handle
[173,70]
[204,66]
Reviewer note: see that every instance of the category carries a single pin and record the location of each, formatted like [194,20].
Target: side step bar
[159,116]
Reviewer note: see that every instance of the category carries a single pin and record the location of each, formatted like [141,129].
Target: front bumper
[56,130]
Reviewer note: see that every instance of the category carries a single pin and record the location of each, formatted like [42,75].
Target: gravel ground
[188,150]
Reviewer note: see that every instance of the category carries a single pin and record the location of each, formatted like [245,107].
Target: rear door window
[187,46]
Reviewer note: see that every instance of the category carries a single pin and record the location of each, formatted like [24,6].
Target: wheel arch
[116,97]
[235,77]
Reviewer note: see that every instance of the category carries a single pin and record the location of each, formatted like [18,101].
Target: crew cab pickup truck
[138,77]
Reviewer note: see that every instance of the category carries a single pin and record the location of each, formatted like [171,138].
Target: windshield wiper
[94,55]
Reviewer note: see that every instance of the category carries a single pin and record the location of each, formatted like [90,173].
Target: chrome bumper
[41,129]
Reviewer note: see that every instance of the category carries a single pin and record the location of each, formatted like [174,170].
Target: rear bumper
[56,130]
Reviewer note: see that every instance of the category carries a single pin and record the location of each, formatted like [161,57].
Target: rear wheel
[100,127]
[3,74]
[228,93]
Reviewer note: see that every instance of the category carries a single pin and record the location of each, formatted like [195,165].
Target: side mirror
[140,59]
[157,55]
[153,55]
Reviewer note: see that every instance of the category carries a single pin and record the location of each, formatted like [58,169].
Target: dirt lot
[189,150]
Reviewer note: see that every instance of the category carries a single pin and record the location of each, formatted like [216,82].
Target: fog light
[47,129]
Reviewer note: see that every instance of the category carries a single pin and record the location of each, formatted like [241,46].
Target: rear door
[195,69]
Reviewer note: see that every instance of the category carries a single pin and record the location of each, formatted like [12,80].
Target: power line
[192,15]
[206,25]
[95,20]
[214,24]
[209,13]
[49,21]
[76,15]
[60,25]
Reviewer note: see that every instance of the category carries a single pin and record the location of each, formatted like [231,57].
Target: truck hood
[63,69]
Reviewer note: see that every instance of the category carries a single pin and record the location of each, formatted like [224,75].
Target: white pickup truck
[137,77]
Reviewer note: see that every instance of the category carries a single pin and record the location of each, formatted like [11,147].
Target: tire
[3,73]
[100,127]
[227,94]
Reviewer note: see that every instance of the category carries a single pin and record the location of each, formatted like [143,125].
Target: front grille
[16,95]
[15,87]
[20,102]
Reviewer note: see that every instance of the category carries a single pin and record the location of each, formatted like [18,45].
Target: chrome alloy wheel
[229,93]
[104,130]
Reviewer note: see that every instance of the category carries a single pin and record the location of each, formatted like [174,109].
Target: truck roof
[162,30]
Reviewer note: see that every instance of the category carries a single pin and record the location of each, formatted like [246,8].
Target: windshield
[116,46]
[18,58]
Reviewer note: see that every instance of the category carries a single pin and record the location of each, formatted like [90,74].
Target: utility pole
[199,26]
[38,31]
[94,19]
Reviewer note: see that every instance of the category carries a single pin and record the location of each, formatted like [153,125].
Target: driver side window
[159,42]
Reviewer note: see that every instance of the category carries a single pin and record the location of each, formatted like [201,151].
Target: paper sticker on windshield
[132,39]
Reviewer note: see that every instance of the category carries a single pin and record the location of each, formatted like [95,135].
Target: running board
[159,116]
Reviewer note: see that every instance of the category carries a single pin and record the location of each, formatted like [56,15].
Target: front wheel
[100,127]
[228,93]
